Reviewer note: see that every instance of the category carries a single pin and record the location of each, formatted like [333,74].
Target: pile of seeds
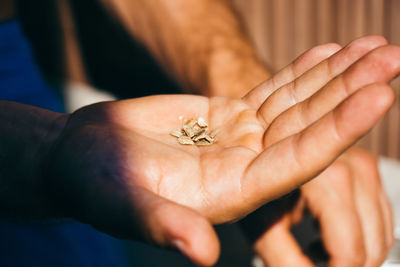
[194,132]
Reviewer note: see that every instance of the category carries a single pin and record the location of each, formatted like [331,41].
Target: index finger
[299,66]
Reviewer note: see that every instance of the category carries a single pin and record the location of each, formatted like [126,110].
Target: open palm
[118,168]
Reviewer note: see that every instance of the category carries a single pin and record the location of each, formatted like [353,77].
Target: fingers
[368,193]
[330,199]
[303,63]
[380,65]
[169,224]
[388,215]
[349,192]
[311,81]
[278,247]
[298,158]
[373,227]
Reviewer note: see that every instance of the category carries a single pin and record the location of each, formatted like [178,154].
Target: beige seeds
[176,133]
[194,132]
[213,133]
[202,122]
[185,140]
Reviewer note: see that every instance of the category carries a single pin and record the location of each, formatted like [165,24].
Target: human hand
[359,202]
[116,167]
[353,212]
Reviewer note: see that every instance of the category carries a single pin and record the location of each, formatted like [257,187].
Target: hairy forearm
[26,136]
[200,42]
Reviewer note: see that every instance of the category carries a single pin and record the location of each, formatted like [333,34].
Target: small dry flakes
[201,135]
[185,140]
[176,133]
[202,122]
[210,139]
[203,142]
[194,132]
[189,131]
[213,133]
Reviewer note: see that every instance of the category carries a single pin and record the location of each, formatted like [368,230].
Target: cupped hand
[116,167]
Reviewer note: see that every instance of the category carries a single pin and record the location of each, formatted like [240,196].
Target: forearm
[26,135]
[200,42]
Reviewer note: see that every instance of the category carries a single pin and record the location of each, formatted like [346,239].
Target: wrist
[26,137]
[49,139]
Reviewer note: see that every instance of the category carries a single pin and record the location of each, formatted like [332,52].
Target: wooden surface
[283,29]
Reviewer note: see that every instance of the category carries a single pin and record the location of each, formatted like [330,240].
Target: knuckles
[366,162]
[324,50]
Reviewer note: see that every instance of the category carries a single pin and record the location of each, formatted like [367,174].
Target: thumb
[143,215]
[169,224]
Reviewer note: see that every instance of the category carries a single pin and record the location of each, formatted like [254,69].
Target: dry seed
[176,133]
[199,136]
[210,139]
[185,140]
[188,130]
[213,133]
[203,143]
[202,122]
[195,132]
[191,122]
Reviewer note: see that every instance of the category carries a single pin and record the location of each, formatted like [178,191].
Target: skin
[356,199]
[224,75]
[200,43]
[361,204]
[221,66]
[178,42]
[114,166]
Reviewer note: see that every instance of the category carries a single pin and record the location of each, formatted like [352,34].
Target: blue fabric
[63,244]
[44,244]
